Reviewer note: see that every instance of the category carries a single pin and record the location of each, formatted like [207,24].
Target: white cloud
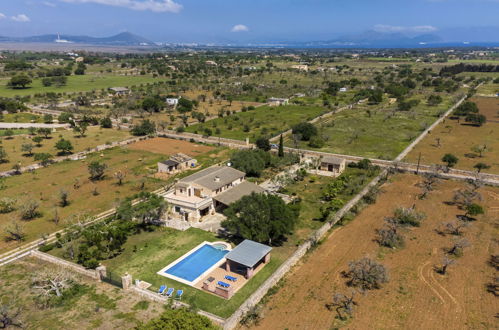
[158,6]
[49,4]
[240,28]
[20,18]
[395,28]
[2,16]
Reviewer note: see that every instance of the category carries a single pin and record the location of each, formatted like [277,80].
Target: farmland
[460,139]
[415,296]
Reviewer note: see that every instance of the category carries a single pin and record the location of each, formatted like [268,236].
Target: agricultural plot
[263,121]
[92,306]
[374,132]
[489,89]
[21,117]
[415,296]
[462,140]
[93,137]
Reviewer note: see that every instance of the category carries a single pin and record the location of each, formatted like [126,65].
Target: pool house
[247,257]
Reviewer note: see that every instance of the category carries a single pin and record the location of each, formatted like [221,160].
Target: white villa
[206,191]
[171,101]
[275,101]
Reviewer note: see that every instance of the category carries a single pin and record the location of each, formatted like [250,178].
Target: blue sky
[243,20]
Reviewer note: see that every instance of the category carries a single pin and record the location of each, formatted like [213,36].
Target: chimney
[217,179]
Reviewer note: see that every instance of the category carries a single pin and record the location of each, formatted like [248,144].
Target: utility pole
[419,160]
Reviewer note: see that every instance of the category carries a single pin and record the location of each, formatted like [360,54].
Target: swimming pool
[188,268]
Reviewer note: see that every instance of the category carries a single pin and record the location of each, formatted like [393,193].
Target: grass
[262,121]
[383,135]
[94,136]
[75,84]
[21,117]
[488,89]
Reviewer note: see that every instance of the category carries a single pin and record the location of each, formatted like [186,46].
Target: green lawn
[21,117]
[489,89]
[383,134]
[83,83]
[261,121]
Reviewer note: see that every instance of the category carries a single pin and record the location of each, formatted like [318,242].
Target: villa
[172,101]
[275,101]
[176,163]
[207,191]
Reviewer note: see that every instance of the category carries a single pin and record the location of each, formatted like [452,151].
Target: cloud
[157,6]
[20,18]
[395,28]
[2,16]
[240,28]
[49,4]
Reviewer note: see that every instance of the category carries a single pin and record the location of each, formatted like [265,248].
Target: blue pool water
[197,262]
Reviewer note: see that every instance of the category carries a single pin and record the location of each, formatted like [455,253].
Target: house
[79,59]
[172,101]
[275,101]
[176,163]
[246,257]
[332,164]
[201,193]
[343,89]
[213,63]
[300,67]
[119,91]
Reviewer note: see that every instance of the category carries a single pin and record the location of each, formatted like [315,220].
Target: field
[459,139]
[489,89]
[381,133]
[83,83]
[45,185]
[416,297]
[166,146]
[97,306]
[94,136]
[262,121]
[21,117]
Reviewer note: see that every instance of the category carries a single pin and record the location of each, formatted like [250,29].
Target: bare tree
[343,304]
[15,231]
[389,235]
[494,261]
[446,262]
[455,227]
[29,209]
[458,247]
[493,286]
[50,283]
[9,317]
[428,183]
[120,176]
[63,198]
[366,274]
[464,197]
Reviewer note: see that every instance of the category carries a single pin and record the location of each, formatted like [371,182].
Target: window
[177,209]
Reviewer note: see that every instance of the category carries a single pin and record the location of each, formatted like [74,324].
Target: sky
[248,20]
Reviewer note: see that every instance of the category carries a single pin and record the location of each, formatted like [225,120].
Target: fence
[66,264]
[113,279]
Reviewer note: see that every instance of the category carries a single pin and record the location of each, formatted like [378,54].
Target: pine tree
[281,147]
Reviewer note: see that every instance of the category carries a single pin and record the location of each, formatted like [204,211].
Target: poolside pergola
[246,257]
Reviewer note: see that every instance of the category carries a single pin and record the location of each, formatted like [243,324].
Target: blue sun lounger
[230,278]
[223,284]
[170,292]
[162,289]
[179,294]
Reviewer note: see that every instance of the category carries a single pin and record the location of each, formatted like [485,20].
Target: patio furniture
[223,284]
[162,289]
[230,278]
[179,294]
[170,292]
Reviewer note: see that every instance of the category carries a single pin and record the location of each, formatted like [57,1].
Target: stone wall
[66,264]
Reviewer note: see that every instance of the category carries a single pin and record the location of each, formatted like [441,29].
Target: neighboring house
[171,101]
[199,194]
[275,101]
[176,163]
[119,91]
[332,164]
[300,67]
[79,59]
[343,89]
[211,63]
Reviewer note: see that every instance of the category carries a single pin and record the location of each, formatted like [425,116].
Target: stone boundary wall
[255,298]
[66,264]
[206,139]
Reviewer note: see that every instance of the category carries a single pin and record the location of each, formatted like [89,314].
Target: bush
[367,274]
[106,122]
[316,142]
[146,127]
[305,130]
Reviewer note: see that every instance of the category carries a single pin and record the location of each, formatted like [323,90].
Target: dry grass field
[168,147]
[459,139]
[416,297]
[96,306]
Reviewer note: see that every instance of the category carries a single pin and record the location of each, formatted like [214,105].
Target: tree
[476,119]
[263,144]
[450,159]
[80,69]
[316,142]
[64,146]
[7,204]
[455,227]
[3,156]
[458,247]
[152,104]
[19,82]
[434,100]
[43,158]
[96,170]
[306,130]
[15,231]
[407,217]
[106,122]
[343,305]
[473,209]
[81,128]
[146,127]
[45,131]
[429,180]
[150,209]
[260,217]
[63,198]
[38,140]
[27,148]
[481,166]
[446,262]
[120,176]
[178,319]
[389,235]
[280,153]
[252,162]
[29,209]
[366,274]
[50,285]
[9,317]
[479,149]
[48,119]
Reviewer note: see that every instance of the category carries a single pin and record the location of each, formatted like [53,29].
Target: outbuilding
[247,257]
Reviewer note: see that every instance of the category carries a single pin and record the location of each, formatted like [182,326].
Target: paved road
[28,125]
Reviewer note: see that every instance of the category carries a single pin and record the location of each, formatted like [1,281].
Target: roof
[214,177]
[248,253]
[236,193]
[332,160]
[119,89]
[169,162]
[180,157]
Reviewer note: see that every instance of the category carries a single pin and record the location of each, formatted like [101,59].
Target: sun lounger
[223,284]
[162,289]
[179,294]
[170,292]
[230,278]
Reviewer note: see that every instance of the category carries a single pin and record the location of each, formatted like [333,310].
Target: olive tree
[366,274]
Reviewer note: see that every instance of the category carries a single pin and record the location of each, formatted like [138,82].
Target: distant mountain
[121,39]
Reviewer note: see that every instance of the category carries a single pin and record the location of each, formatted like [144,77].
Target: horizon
[225,22]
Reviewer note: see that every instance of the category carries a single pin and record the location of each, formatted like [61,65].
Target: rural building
[196,195]
[343,89]
[247,257]
[213,63]
[79,59]
[118,91]
[332,164]
[275,101]
[176,163]
[300,67]
[172,101]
